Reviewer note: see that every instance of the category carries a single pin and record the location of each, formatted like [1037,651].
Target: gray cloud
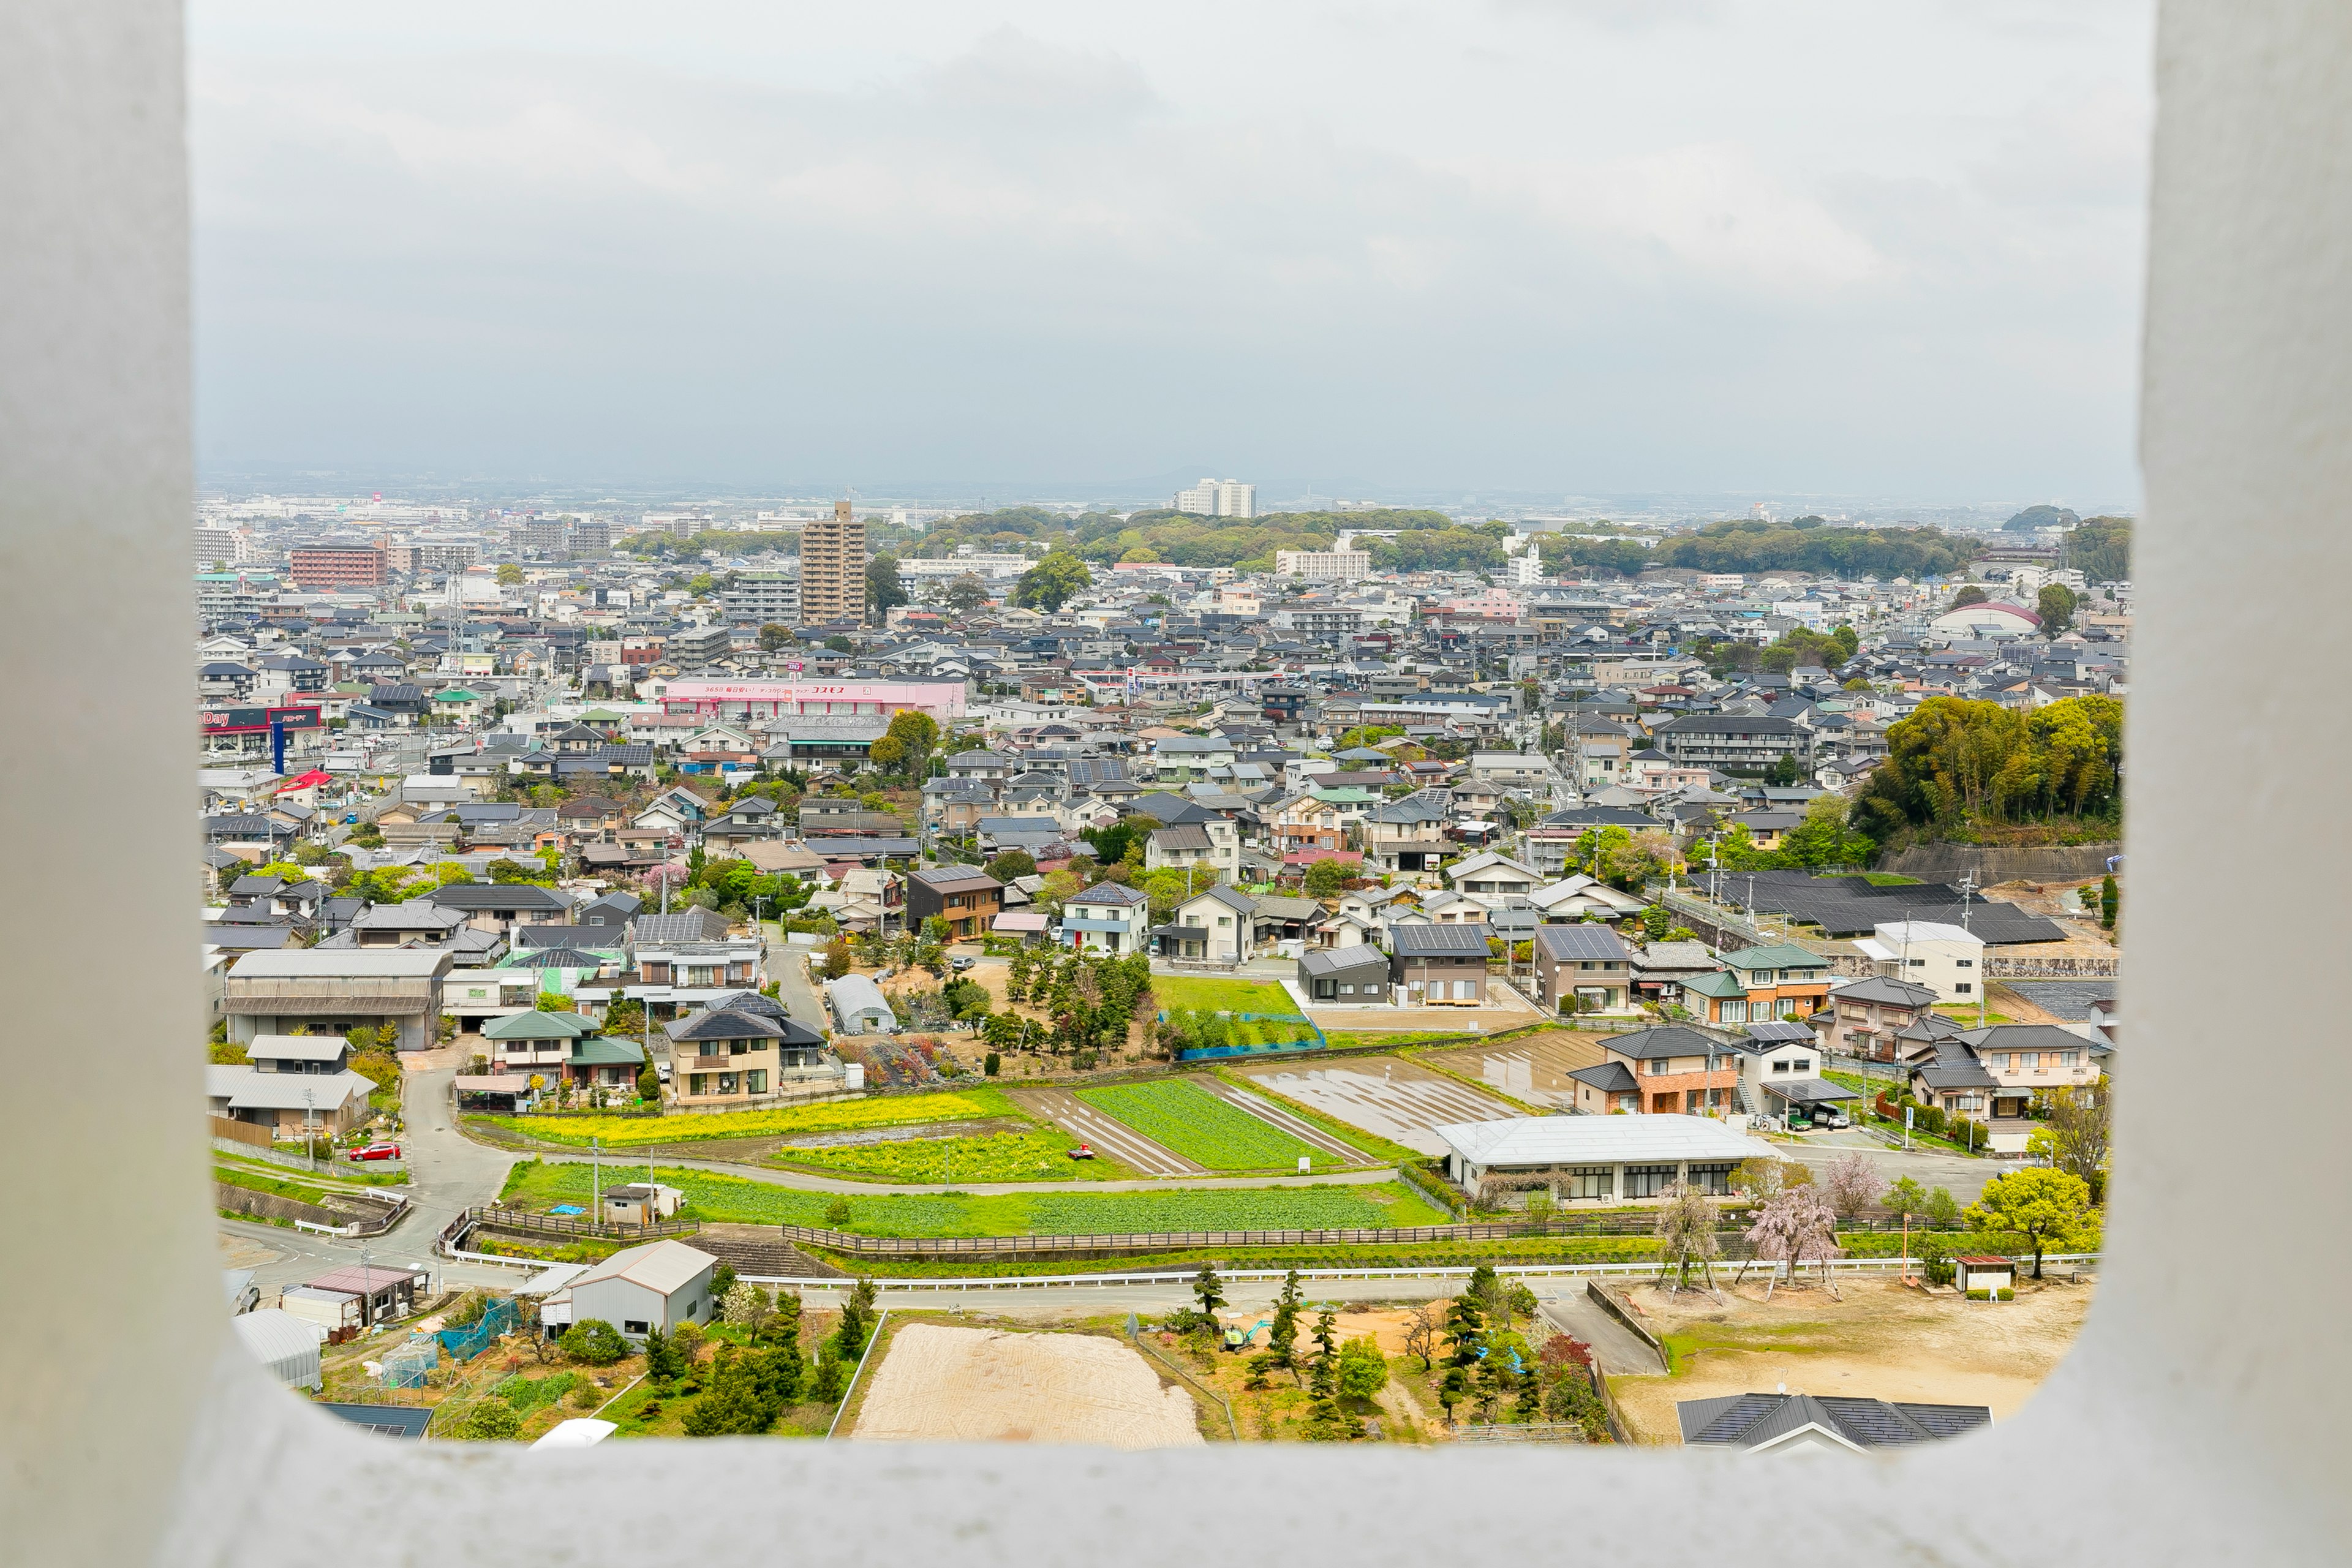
[1047,252]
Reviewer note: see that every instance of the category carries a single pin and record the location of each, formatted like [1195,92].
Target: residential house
[1405,838]
[502,906]
[968,899]
[1108,917]
[1661,969]
[1669,1070]
[1576,896]
[1864,1017]
[1493,880]
[1781,981]
[1213,844]
[295,1085]
[1438,964]
[1582,967]
[740,1049]
[1352,976]
[1214,926]
[1785,1423]
[1306,823]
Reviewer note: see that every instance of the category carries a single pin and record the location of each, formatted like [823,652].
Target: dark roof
[1429,941]
[1852,906]
[1666,1040]
[1582,942]
[1608,1077]
[740,1021]
[403,1423]
[954,878]
[1887,993]
[686,925]
[1187,835]
[1362,955]
[494,896]
[1751,1420]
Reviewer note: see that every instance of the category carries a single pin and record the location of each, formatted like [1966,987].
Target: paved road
[793,988]
[1964,1178]
[1574,1312]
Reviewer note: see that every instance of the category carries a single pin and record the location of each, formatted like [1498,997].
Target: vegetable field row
[1181,1115]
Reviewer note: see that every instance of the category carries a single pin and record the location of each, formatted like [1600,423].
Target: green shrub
[491,1421]
[593,1342]
[2007,1295]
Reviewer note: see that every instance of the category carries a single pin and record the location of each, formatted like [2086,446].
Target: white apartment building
[1323,565]
[765,596]
[979,564]
[1948,959]
[1218,498]
[215,547]
[1524,570]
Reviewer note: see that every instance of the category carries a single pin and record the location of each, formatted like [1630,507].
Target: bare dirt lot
[1534,1069]
[1883,1340]
[1398,1099]
[945,1385]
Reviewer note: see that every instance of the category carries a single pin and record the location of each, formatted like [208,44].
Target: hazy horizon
[1585,249]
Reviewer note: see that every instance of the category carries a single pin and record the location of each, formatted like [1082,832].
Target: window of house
[1964,963]
[2033,1060]
[635,1326]
[756,1081]
[727,1083]
[1588,1182]
[1348,990]
[1962,988]
[2069,1058]
[1655,1066]
[1779,1066]
[1801,1064]
[1647,1180]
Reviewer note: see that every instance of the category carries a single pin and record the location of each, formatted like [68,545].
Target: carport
[1803,1096]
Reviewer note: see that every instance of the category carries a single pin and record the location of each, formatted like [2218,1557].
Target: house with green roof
[1778,981]
[559,1045]
[459,705]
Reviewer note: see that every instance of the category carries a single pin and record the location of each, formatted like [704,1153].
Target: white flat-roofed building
[1600,1158]
[1947,959]
[1218,498]
[1323,565]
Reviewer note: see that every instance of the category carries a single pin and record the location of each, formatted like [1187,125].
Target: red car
[1083,1152]
[377,1151]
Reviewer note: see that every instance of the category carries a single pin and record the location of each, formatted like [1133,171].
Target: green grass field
[1042,1155]
[1205,995]
[739,1200]
[1183,1116]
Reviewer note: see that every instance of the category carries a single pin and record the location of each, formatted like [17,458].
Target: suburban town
[1178,975]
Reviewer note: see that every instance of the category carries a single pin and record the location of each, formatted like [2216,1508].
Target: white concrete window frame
[2196,1424]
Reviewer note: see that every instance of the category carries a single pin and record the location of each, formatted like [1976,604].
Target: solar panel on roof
[1850,905]
[1778,1029]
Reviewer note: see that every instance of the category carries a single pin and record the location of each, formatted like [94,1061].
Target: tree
[1796,1227]
[2110,901]
[593,1341]
[1906,1199]
[1464,1322]
[2074,1138]
[1421,1326]
[1849,1185]
[649,1083]
[1943,1210]
[836,958]
[1010,863]
[884,592]
[2055,606]
[967,593]
[663,1361]
[1208,1290]
[1324,879]
[1363,1368]
[493,1420]
[2045,1207]
[1685,1231]
[1971,595]
[839,643]
[749,1307]
[1282,1333]
[908,744]
[509,575]
[774,637]
[506,873]
[1765,1179]
[1053,582]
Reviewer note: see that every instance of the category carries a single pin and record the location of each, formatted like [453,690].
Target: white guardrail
[1531,1271]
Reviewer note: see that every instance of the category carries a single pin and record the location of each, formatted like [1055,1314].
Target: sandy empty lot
[1392,1098]
[1882,1341]
[944,1384]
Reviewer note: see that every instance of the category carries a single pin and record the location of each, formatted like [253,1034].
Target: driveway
[794,989]
[1964,1177]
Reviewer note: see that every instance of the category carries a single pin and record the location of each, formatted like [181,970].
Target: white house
[1604,1159]
[1212,926]
[1948,959]
[1491,878]
[1109,918]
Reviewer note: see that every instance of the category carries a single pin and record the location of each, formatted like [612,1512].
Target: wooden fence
[524,1222]
[241,1132]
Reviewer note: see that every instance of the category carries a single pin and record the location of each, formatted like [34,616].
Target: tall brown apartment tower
[833,569]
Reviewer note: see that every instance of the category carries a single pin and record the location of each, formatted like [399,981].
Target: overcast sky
[1590,246]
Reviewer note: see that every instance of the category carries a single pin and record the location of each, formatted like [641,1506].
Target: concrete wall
[1950,862]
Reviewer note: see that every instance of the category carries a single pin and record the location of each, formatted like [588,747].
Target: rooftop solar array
[1852,906]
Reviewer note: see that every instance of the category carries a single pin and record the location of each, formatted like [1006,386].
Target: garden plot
[1181,1115]
[1107,1134]
[944,1384]
[1297,1126]
[1397,1100]
[1534,1069]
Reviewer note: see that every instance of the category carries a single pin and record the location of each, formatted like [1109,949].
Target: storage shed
[639,1289]
[285,1345]
[1984,1272]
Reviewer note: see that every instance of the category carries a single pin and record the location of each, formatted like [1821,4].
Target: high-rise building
[215,547]
[1218,498]
[833,569]
[767,598]
[590,536]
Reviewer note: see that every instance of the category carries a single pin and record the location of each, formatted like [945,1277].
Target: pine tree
[1282,1334]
